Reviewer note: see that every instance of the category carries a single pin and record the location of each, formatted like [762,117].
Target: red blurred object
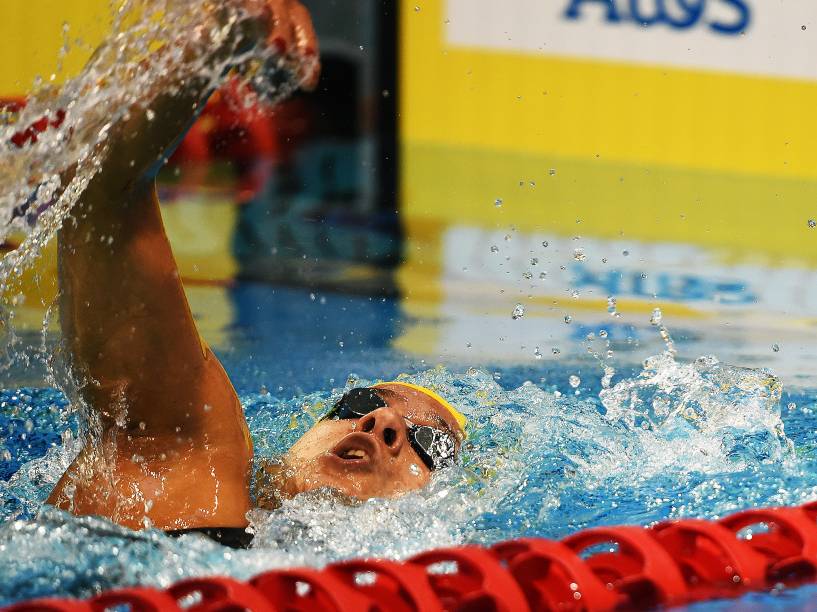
[553,577]
[29,134]
[233,125]
[220,595]
[640,569]
[477,581]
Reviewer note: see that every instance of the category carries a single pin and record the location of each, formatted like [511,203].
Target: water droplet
[494,248]
[527,275]
[302,589]
[812,223]
[552,172]
[340,344]
[578,254]
[537,353]
[142,425]
[498,202]
[543,275]
[568,319]
[609,372]
[803,27]
[518,312]
[574,294]
[533,261]
[416,9]
[776,348]
[545,243]
[791,406]
[507,237]
[602,333]
[574,381]
[625,253]
[656,317]
[611,305]
[415,471]
[555,350]
[150,114]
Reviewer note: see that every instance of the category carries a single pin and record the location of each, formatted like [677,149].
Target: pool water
[552,448]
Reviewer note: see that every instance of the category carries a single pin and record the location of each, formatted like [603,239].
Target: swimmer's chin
[351,479]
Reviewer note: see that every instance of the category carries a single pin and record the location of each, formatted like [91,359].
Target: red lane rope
[603,568]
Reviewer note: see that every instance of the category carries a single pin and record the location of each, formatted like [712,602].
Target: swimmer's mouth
[356,449]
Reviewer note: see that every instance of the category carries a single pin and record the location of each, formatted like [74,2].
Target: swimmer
[174,451]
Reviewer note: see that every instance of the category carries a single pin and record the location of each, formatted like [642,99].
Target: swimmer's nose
[386,426]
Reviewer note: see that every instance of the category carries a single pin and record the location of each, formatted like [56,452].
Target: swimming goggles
[434,446]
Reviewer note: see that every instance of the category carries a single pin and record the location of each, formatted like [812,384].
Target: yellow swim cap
[458,416]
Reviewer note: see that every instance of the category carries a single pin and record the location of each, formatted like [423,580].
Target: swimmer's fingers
[292,35]
[306,41]
[281,35]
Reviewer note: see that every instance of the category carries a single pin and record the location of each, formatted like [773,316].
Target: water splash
[720,411]
[57,144]
[538,461]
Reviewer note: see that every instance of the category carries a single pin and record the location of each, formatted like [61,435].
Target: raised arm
[174,446]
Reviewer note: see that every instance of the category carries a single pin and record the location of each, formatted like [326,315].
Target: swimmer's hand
[286,27]
[139,145]
[292,34]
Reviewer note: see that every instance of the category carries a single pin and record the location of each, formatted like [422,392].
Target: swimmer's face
[370,456]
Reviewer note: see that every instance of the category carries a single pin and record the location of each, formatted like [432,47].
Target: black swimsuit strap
[233,537]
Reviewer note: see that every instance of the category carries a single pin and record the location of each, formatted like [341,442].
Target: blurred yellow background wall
[667,158]
[660,151]
[32,34]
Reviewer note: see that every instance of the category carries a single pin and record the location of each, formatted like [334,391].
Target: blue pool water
[549,451]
